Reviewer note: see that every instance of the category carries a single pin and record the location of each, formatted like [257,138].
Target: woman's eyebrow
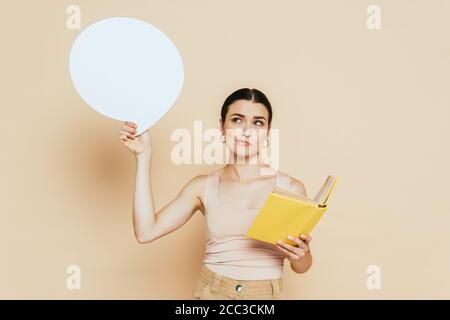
[243,116]
[259,117]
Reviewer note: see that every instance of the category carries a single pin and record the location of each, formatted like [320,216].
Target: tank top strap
[283,181]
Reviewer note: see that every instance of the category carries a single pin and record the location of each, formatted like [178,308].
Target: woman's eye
[259,123]
[236,120]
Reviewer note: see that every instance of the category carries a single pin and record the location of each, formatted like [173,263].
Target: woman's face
[246,127]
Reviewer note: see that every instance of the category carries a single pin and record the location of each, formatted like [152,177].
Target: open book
[285,212]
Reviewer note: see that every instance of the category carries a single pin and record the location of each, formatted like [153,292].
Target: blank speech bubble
[127,70]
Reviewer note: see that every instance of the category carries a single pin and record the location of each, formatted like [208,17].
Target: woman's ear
[221,125]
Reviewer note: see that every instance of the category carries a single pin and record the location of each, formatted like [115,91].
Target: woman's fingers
[128,128]
[292,255]
[131,124]
[306,238]
[128,134]
[294,250]
[124,137]
[301,244]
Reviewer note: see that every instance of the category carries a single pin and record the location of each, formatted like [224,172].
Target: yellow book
[285,212]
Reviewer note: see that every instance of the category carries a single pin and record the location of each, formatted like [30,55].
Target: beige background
[371,106]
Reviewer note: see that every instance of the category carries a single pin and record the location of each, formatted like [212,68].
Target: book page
[319,198]
[292,195]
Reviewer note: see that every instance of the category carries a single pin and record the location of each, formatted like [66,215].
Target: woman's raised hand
[140,145]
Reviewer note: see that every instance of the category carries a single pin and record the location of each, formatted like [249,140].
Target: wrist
[143,157]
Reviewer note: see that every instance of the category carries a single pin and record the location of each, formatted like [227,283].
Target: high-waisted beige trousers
[214,286]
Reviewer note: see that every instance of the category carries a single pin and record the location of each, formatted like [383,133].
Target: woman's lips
[243,143]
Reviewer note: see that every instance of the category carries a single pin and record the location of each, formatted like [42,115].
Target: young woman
[234,266]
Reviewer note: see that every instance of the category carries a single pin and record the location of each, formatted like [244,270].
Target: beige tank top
[228,250]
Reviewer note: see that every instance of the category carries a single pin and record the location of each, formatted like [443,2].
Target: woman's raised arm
[148,224]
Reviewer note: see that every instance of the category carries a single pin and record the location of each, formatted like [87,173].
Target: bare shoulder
[195,188]
[297,185]
[197,183]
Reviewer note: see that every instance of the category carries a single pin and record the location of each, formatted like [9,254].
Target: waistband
[240,287]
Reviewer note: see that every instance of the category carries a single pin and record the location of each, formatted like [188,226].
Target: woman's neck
[243,172]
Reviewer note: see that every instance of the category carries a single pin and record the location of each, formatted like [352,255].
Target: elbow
[143,239]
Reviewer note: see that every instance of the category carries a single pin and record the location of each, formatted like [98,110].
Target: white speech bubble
[127,70]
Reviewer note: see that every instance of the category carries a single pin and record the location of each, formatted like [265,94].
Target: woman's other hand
[140,145]
[295,253]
